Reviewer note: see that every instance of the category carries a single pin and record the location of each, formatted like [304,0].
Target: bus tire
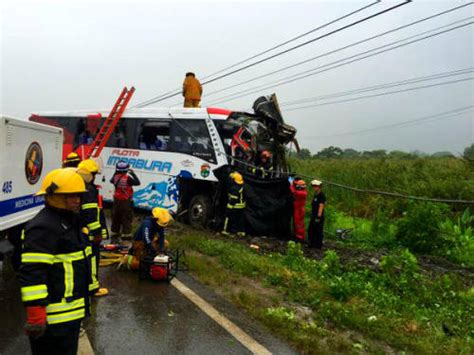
[199,211]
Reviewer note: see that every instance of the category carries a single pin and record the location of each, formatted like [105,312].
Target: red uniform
[299,202]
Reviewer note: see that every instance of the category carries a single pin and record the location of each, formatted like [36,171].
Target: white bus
[173,151]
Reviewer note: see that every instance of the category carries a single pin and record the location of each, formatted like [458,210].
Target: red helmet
[299,184]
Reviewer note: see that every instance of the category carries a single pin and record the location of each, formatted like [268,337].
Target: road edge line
[85,346]
[245,339]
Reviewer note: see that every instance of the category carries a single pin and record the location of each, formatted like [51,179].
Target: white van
[174,151]
[28,151]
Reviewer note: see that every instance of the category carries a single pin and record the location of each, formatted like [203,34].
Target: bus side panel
[158,172]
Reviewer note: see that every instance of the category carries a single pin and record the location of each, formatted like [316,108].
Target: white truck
[28,151]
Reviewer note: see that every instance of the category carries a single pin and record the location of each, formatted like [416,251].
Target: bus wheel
[199,211]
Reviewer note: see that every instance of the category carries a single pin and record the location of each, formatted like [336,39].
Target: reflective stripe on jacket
[235,197]
[56,266]
[90,211]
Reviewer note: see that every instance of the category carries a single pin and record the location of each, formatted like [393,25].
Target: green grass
[350,308]
[448,178]
[383,222]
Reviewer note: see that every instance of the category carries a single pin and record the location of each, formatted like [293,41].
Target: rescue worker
[55,267]
[235,220]
[123,179]
[72,160]
[264,167]
[92,217]
[192,91]
[149,238]
[316,224]
[298,190]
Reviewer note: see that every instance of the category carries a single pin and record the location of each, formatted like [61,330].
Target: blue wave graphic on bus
[163,194]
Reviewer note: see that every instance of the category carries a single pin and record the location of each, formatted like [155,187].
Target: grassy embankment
[378,221]
[332,306]
[327,306]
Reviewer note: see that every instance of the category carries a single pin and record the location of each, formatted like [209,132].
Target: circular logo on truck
[33,163]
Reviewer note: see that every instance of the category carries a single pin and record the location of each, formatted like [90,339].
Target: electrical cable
[381,94]
[341,48]
[442,115]
[380,86]
[311,72]
[284,51]
[272,48]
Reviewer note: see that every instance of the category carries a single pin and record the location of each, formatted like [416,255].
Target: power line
[438,116]
[380,86]
[382,94]
[285,51]
[269,49]
[340,49]
[311,72]
[293,39]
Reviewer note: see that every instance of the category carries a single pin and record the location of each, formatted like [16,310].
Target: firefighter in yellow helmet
[149,238]
[92,217]
[234,222]
[192,90]
[55,266]
[72,160]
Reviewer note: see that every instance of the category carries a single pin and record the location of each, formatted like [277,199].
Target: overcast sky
[67,55]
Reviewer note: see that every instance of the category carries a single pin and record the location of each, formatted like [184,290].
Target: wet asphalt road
[141,317]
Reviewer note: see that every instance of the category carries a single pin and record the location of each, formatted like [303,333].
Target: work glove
[35,321]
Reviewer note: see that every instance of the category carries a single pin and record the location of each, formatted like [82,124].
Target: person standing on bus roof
[122,211]
[235,220]
[192,90]
[316,224]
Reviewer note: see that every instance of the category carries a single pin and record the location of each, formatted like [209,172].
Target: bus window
[191,137]
[118,137]
[154,136]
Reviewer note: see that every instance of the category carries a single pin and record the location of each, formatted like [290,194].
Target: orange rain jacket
[192,89]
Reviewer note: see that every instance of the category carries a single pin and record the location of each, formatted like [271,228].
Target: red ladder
[110,122]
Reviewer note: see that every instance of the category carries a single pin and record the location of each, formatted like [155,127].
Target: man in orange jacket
[192,91]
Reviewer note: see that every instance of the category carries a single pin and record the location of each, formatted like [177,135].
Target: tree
[330,152]
[469,153]
[350,153]
[303,154]
[398,154]
[444,154]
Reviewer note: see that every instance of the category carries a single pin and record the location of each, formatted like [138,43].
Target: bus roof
[175,112]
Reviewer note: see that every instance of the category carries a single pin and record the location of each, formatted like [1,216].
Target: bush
[418,228]
[401,270]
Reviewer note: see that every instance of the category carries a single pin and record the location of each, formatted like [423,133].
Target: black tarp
[269,204]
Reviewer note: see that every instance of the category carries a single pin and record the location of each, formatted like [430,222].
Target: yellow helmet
[89,165]
[62,181]
[237,177]
[162,216]
[72,160]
